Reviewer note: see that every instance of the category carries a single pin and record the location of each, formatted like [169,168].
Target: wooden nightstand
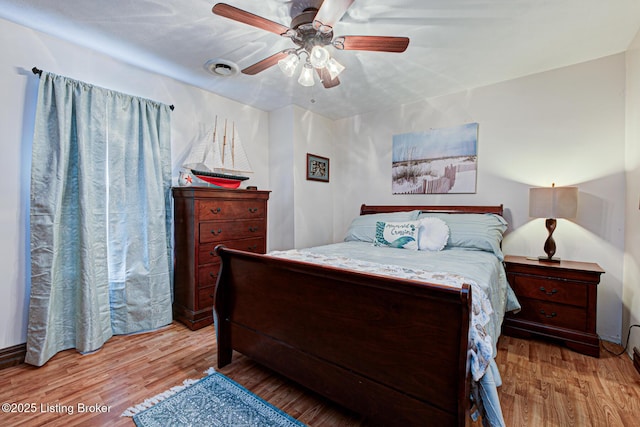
[558,301]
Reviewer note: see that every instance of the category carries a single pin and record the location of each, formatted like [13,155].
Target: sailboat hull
[220,180]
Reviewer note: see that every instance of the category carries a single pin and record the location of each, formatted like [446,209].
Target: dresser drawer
[226,209]
[218,231]
[205,298]
[547,313]
[551,290]
[256,245]
[208,275]
[207,255]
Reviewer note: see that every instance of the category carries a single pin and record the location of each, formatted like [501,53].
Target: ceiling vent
[221,67]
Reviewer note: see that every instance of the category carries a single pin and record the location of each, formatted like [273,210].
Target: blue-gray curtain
[100,217]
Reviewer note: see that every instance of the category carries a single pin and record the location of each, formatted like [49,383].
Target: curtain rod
[38,71]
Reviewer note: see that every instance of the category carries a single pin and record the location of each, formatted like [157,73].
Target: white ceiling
[455,44]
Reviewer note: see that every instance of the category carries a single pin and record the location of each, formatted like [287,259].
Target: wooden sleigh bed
[364,341]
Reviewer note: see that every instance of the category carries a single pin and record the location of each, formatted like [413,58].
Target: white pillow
[397,234]
[433,234]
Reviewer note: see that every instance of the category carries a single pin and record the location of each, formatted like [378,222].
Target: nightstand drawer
[551,314]
[549,289]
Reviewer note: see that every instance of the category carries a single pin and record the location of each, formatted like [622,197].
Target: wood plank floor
[544,384]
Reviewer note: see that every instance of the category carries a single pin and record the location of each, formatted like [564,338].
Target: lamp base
[547,259]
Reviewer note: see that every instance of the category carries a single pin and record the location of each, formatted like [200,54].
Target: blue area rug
[214,401]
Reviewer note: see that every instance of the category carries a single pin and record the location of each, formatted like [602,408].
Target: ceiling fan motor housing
[306,35]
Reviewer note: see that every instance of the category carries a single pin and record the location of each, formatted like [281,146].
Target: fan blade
[373,43]
[331,11]
[264,64]
[245,17]
[325,77]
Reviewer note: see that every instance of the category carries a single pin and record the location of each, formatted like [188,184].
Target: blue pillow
[363,228]
[473,231]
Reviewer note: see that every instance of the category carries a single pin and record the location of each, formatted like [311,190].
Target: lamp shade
[334,68]
[553,202]
[288,65]
[319,57]
[306,76]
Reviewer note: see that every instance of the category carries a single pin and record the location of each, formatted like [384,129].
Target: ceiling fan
[311,31]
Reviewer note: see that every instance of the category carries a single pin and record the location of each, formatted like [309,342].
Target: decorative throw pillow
[363,227]
[397,234]
[433,234]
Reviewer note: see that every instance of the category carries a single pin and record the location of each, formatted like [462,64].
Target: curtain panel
[100,217]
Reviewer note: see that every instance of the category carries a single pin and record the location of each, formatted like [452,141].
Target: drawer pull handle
[253,210]
[553,291]
[215,211]
[548,316]
[252,248]
[253,229]
[213,275]
[216,233]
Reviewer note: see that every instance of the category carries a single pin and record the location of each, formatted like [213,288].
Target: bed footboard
[393,350]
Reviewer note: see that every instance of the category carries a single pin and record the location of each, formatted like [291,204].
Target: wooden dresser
[559,300]
[204,218]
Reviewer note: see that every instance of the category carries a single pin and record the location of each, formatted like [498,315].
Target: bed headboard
[374,209]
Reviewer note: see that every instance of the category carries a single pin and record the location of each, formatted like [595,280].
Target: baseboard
[636,358]
[12,356]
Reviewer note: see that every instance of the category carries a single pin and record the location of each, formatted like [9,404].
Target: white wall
[631,291]
[313,199]
[24,48]
[301,210]
[281,233]
[565,126]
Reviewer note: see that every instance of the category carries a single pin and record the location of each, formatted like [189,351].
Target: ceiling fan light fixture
[311,30]
[306,76]
[334,68]
[319,57]
[289,64]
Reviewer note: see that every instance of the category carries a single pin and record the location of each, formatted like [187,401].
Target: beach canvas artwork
[437,161]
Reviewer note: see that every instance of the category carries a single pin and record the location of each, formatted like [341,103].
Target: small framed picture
[317,168]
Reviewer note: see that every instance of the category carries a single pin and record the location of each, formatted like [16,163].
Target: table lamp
[552,203]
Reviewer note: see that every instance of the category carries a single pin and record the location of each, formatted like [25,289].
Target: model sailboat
[222,164]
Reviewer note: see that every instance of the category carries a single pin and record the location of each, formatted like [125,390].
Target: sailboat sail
[221,164]
[235,159]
